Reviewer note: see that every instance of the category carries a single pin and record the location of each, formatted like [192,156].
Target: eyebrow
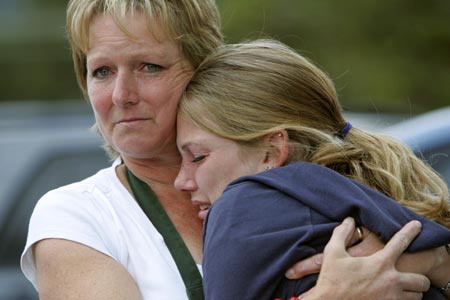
[188,144]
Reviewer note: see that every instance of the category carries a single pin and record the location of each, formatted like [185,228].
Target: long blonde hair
[245,91]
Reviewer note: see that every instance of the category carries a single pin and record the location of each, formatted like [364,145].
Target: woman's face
[134,86]
[209,163]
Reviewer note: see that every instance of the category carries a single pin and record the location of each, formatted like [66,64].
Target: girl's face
[134,86]
[209,163]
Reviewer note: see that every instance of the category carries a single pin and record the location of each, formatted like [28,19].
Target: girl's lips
[204,207]
[202,213]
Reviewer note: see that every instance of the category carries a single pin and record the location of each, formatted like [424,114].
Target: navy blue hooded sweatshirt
[264,223]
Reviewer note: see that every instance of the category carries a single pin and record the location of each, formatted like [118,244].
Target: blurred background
[385,56]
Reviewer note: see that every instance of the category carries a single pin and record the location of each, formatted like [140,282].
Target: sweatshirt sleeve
[337,197]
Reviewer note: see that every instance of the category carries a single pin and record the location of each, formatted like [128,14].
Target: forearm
[434,263]
[440,277]
[443,272]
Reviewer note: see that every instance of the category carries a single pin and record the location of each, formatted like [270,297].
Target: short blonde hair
[194,23]
[244,92]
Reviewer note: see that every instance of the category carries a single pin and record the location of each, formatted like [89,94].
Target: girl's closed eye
[198,158]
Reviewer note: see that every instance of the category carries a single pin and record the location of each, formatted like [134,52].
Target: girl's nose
[183,182]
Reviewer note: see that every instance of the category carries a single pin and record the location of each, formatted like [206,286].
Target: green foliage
[383,55]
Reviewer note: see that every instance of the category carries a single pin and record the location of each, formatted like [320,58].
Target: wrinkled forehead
[158,24]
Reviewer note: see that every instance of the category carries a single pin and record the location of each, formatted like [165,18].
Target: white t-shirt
[100,213]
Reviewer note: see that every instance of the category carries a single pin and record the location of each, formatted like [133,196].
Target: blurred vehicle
[42,146]
[47,145]
[428,135]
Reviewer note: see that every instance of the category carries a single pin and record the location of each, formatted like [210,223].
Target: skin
[67,270]
[204,153]
[134,88]
[380,270]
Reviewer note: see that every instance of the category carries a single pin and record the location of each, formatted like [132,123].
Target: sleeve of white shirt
[74,214]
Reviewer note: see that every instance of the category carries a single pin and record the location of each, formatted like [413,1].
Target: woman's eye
[152,68]
[198,158]
[101,73]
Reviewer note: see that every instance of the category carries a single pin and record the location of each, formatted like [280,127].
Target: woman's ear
[278,148]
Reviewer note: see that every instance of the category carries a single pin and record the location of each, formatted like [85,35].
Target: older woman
[126,232]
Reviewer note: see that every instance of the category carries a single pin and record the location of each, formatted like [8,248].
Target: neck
[160,171]
[160,174]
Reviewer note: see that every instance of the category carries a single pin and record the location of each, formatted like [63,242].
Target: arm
[371,278]
[433,263]
[68,270]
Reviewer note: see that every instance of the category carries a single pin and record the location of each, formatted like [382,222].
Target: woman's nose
[125,91]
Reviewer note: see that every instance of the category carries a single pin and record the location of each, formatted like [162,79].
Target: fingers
[341,238]
[415,283]
[414,286]
[401,240]
[310,265]
[411,296]
[370,244]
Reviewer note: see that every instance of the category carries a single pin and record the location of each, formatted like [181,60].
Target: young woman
[262,111]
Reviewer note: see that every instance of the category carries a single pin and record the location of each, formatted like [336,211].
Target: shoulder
[82,193]
[255,199]
[82,211]
[77,212]
[271,186]
[293,172]
[293,179]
